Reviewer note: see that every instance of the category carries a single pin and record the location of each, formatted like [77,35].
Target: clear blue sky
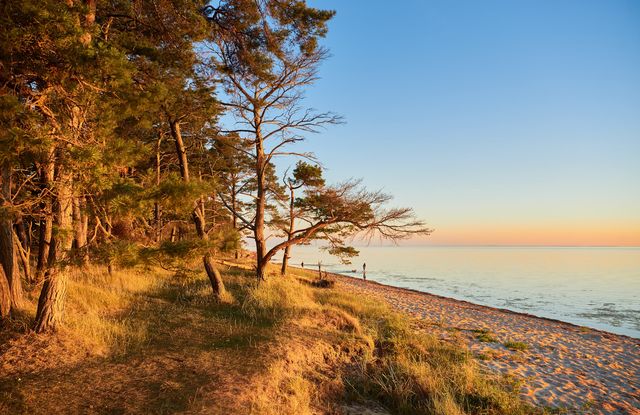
[498,121]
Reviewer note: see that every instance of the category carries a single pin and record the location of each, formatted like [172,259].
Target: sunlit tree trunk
[46,223]
[5,295]
[287,249]
[156,205]
[261,249]
[24,254]
[8,258]
[80,228]
[52,297]
[198,214]
[234,218]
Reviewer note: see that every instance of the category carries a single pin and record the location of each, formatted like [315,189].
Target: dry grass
[388,362]
[413,373]
[101,306]
[277,299]
[147,341]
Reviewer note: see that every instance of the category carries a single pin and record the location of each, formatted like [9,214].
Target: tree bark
[52,297]
[181,150]
[46,224]
[261,249]
[80,228]
[214,275]
[8,258]
[156,206]
[5,295]
[24,258]
[234,218]
[198,214]
[285,261]
[292,219]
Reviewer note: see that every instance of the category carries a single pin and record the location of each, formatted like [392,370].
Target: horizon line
[506,245]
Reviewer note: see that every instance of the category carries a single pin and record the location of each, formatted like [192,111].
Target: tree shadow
[196,354]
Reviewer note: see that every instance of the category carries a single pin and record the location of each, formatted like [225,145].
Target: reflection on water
[595,287]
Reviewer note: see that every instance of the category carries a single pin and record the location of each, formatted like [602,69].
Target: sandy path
[565,366]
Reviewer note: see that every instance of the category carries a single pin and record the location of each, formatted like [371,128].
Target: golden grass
[277,298]
[99,307]
[280,347]
[407,372]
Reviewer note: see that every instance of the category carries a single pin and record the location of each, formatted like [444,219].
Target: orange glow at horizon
[550,235]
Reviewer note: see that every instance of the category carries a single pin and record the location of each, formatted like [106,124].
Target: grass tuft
[512,345]
[277,299]
[485,336]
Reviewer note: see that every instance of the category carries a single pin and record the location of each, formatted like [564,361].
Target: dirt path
[561,366]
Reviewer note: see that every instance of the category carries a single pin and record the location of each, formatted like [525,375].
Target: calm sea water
[594,287]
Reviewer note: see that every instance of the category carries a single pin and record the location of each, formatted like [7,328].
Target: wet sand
[562,365]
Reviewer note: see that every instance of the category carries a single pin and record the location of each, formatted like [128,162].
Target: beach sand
[583,370]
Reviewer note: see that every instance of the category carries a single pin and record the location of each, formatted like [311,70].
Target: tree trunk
[181,150]
[46,224]
[285,261]
[52,297]
[292,219]
[261,249]
[24,259]
[198,214]
[5,295]
[234,218]
[156,205]
[8,258]
[44,242]
[214,276]
[80,228]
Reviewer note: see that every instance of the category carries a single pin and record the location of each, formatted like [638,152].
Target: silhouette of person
[302,264]
[364,271]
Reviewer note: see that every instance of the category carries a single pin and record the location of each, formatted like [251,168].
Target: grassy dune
[147,341]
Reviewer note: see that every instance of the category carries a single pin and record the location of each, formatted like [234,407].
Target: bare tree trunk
[292,219]
[234,218]
[22,234]
[52,297]
[23,253]
[9,262]
[8,258]
[181,150]
[46,224]
[5,295]
[261,199]
[80,228]
[285,261]
[156,205]
[198,213]
[214,275]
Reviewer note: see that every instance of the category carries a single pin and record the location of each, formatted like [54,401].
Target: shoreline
[505,310]
[559,364]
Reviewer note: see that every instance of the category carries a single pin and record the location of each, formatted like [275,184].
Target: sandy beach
[560,365]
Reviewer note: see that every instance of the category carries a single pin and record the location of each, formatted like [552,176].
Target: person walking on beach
[364,271]
[302,264]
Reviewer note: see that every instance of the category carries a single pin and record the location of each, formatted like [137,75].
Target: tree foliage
[137,132]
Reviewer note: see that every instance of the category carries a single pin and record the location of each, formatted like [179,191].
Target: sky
[499,122]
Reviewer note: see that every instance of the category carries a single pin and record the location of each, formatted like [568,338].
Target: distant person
[302,264]
[364,271]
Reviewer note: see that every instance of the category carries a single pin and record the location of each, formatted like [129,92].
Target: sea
[597,287]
